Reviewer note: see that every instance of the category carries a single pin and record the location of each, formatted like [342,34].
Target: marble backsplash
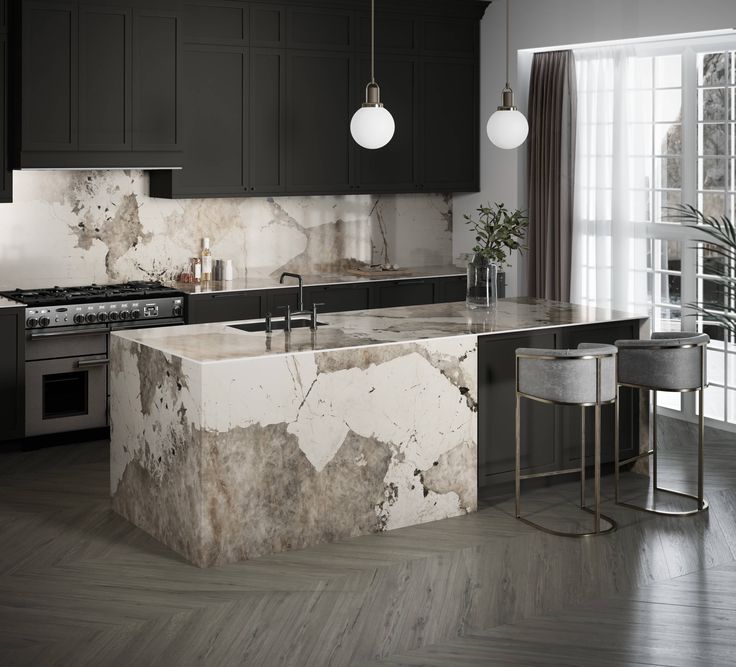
[76,227]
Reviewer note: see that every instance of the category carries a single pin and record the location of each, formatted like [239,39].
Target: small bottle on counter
[206,260]
[197,270]
[227,271]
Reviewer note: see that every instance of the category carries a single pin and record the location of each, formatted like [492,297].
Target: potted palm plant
[498,231]
[718,307]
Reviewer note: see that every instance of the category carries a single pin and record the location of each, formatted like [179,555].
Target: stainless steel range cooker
[67,342]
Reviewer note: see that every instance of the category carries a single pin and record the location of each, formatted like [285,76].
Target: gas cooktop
[54,296]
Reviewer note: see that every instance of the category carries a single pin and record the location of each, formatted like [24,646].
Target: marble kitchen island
[227,445]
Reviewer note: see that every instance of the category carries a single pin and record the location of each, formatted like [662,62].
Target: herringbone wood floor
[81,586]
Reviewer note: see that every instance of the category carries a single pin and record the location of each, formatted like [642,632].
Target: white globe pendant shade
[372,126]
[507,128]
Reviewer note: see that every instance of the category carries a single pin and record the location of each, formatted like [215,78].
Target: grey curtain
[550,174]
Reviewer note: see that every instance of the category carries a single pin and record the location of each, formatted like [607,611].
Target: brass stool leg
[582,456]
[702,502]
[616,445]
[655,486]
[598,456]
[701,442]
[517,476]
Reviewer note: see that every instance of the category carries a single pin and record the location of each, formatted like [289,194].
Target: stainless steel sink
[276,325]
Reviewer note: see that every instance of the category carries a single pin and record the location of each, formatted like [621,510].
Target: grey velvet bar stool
[585,376]
[670,361]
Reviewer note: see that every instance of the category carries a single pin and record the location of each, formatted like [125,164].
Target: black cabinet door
[104,81]
[12,373]
[404,293]
[155,80]
[6,174]
[338,298]
[319,107]
[390,168]
[266,148]
[628,402]
[223,307]
[496,412]
[49,76]
[448,147]
[452,288]
[214,121]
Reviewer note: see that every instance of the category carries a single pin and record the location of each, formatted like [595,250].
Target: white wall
[540,23]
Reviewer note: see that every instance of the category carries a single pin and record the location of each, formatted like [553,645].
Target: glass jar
[482,290]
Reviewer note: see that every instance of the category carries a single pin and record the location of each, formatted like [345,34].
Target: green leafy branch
[498,231]
[720,235]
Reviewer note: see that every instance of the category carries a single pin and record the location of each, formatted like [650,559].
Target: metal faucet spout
[301,286]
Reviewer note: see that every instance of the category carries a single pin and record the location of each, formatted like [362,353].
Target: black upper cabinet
[104,86]
[393,167]
[233,109]
[6,175]
[49,77]
[318,108]
[307,70]
[214,97]
[448,146]
[266,147]
[100,84]
[156,90]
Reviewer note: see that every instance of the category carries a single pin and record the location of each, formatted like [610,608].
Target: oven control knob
[31,322]
[79,318]
[102,317]
[44,321]
[135,314]
[176,311]
[124,315]
[113,316]
[91,317]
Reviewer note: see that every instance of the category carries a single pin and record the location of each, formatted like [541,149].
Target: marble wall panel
[67,227]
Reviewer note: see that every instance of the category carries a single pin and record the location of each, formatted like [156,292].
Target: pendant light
[372,126]
[507,127]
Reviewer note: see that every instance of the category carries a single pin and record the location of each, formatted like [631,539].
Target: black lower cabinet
[453,288]
[405,293]
[550,434]
[571,415]
[224,306]
[12,373]
[496,410]
[338,298]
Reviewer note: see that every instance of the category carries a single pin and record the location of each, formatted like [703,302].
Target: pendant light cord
[508,2]
[373,41]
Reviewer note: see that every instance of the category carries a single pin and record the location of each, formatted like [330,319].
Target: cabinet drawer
[337,299]
[405,293]
[223,307]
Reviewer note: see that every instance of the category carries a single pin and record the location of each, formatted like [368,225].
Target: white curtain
[612,204]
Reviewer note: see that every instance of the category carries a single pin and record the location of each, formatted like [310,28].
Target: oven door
[68,394]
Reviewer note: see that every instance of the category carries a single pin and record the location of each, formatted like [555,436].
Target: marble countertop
[218,342]
[9,303]
[269,282]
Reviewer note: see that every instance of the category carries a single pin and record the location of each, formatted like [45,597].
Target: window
[657,127]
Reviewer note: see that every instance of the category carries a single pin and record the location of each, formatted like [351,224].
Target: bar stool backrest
[670,361]
[567,376]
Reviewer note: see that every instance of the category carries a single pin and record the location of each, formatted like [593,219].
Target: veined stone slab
[228,461]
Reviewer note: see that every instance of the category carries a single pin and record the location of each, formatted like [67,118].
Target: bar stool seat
[670,361]
[586,377]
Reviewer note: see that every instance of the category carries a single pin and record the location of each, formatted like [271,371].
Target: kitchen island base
[232,460]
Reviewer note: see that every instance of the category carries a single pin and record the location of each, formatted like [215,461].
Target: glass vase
[482,290]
